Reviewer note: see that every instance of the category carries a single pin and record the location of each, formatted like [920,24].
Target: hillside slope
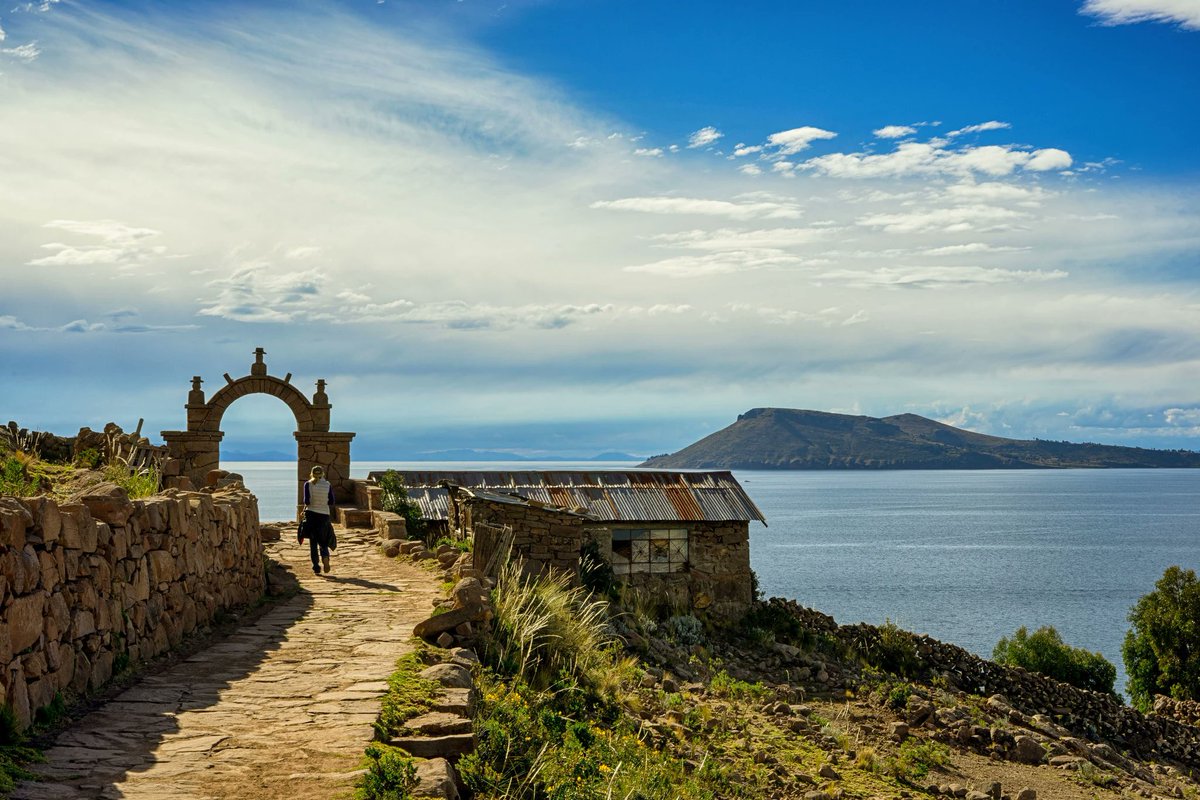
[787,438]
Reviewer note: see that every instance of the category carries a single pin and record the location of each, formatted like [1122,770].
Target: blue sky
[568,227]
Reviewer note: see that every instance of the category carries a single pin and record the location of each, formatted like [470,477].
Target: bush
[395,500]
[1045,652]
[15,479]
[390,774]
[595,573]
[1162,649]
[545,632]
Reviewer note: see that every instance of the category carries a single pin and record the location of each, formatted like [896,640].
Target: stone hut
[682,538]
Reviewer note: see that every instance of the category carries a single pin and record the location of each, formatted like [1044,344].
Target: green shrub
[544,631]
[595,573]
[14,755]
[1045,652]
[776,620]
[915,758]
[137,482]
[390,774]
[725,685]
[897,696]
[888,647]
[684,629]
[395,499]
[89,458]
[15,478]
[1162,649]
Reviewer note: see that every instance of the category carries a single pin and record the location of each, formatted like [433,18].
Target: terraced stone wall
[87,588]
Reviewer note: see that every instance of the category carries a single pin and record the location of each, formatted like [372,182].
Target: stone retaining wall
[89,586]
[1086,714]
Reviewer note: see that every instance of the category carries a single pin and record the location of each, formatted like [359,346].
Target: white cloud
[993,191]
[747,149]
[797,139]
[990,125]
[750,169]
[969,248]
[1185,417]
[894,131]
[722,263]
[704,137]
[712,208]
[649,152]
[255,294]
[122,245]
[26,52]
[952,220]
[1127,12]
[923,277]
[11,323]
[935,158]
[1048,159]
[729,239]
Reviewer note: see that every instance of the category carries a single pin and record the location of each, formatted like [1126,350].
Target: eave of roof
[608,495]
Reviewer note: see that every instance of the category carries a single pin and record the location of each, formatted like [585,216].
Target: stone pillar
[331,451]
[200,451]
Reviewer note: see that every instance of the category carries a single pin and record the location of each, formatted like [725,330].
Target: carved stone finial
[259,367]
[196,395]
[320,398]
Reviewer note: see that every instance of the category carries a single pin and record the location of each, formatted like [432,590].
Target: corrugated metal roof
[611,496]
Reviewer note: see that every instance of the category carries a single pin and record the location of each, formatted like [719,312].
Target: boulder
[109,503]
[440,623]
[15,519]
[1027,750]
[451,676]
[391,547]
[436,778]
[468,592]
[25,621]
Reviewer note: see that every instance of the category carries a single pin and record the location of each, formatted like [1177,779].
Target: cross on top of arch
[311,415]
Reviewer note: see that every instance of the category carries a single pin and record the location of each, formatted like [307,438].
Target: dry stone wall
[87,587]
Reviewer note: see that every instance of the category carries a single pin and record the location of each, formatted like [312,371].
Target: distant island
[789,438]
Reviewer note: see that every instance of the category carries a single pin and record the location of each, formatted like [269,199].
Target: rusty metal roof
[611,496]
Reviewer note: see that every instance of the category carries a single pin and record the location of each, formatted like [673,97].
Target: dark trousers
[317,530]
[312,550]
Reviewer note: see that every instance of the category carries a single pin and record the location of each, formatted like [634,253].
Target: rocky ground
[824,727]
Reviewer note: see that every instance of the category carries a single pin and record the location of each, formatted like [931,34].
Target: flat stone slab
[449,747]
[438,723]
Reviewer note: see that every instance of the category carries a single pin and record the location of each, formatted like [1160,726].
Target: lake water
[965,556]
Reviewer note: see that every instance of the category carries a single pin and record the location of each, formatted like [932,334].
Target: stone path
[281,709]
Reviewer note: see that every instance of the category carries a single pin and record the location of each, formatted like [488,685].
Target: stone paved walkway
[281,709]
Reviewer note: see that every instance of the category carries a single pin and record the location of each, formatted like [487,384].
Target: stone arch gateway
[199,447]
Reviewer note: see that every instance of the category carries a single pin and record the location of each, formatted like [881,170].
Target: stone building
[683,538]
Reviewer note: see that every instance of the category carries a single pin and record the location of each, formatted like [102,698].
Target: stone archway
[199,447]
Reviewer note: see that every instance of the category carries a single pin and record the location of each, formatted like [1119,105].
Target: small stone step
[438,723]
[454,701]
[354,518]
[450,747]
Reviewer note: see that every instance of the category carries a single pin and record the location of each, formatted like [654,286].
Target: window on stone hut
[654,550]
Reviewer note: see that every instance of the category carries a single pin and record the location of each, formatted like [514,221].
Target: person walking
[317,526]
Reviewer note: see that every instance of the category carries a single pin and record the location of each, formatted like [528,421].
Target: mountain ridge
[789,438]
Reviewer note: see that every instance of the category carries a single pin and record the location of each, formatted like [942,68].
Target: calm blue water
[964,556]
